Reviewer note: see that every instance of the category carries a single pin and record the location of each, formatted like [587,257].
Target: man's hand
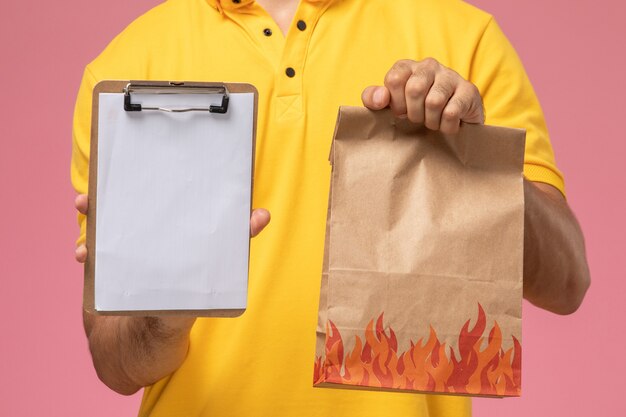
[122,363]
[429,93]
[258,220]
[556,274]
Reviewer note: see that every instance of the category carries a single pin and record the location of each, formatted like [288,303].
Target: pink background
[574,53]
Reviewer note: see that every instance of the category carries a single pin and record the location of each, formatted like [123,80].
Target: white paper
[173,204]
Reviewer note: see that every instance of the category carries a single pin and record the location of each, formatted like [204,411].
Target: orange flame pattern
[425,366]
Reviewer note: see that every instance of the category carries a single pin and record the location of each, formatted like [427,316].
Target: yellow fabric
[261,364]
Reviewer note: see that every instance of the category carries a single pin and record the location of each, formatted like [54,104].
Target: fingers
[438,96]
[396,81]
[80,203]
[81,254]
[429,93]
[464,105]
[258,220]
[417,88]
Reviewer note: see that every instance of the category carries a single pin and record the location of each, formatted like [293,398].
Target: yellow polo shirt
[261,364]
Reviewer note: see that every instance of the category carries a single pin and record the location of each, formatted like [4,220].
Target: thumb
[375,97]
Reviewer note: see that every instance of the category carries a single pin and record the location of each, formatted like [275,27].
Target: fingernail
[379,96]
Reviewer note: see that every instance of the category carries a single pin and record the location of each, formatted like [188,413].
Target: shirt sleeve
[509,100]
[81,134]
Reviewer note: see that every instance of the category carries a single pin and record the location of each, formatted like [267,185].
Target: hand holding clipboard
[169,205]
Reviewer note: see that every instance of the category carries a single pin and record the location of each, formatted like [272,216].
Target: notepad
[172,213]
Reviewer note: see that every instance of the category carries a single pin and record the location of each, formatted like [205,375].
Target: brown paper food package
[422,276]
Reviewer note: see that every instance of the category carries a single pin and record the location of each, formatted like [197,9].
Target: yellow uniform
[261,364]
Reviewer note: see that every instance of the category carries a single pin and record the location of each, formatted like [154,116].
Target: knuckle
[415,88]
[430,63]
[434,101]
[437,97]
[451,113]
[393,79]
[402,63]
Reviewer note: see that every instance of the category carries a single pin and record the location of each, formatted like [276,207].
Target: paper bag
[422,276]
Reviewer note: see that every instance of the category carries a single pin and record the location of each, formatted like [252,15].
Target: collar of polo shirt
[236,4]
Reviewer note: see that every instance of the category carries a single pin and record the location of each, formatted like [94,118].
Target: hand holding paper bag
[428,93]
[425,294]
[555,266]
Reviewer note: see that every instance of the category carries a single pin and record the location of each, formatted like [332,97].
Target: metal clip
[175,88]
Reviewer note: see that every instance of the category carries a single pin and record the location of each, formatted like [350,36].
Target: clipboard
[170,192]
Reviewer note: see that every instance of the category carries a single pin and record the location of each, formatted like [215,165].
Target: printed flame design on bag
[425,366]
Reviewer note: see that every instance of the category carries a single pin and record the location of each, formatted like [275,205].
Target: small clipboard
[170,191]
